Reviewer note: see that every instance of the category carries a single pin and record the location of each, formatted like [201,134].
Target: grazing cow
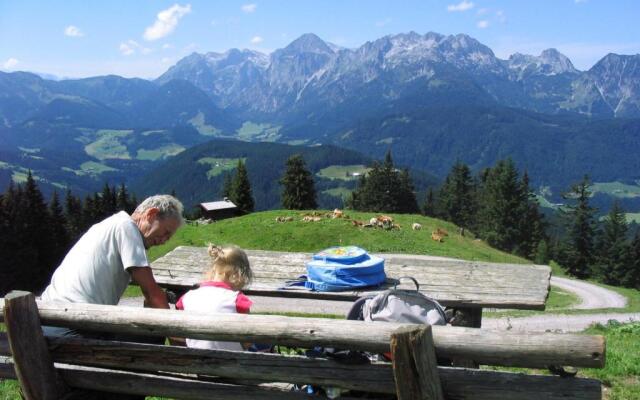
[337,213]
[355,222]
[373,221]
[442,232]
[416,226]
[437,237]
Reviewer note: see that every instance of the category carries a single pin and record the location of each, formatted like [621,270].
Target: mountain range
[432,99]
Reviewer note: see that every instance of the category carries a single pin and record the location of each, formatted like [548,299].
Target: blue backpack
[342,268]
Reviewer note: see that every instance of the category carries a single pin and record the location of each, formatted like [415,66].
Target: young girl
[220,291]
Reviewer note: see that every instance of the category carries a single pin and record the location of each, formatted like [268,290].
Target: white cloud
[257,40]
[383,23]
[501,17]
[483,24]
[249,8]
[165,60]
[167,46]
[464,5]
[130,47]
[10,63]
[73,31]
[482,11]
[166,21]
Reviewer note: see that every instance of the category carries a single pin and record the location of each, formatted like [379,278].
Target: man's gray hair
[168,206]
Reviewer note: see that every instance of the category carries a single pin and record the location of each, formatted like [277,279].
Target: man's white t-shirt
[94,270]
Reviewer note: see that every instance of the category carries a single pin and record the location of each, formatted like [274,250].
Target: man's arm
[154,297]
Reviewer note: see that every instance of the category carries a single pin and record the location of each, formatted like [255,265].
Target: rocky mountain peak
[308,43]
[549,62]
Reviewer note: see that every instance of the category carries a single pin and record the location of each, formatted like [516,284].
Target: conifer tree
[74,216]
[612,248]
[429,206]
[632,276]
[576,254]
[298,191]
[456,200]
[384,189]
[241,194]
[531,229]
[227,186]
[501,208]
[123,203]
[60,235]
[108,201]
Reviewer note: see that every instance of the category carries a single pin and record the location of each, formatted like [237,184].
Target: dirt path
[555,322]
[591,296]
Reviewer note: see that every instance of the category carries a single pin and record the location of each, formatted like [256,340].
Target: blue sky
[143,38]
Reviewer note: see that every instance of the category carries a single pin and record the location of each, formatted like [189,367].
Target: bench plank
[458,384]
[452,282]
[484,346]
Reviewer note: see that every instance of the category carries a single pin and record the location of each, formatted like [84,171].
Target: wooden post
[414,364]
[33,365]
[469,318]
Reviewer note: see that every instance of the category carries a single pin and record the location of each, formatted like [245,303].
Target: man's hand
[154,297]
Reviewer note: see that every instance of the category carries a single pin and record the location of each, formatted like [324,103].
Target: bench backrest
[414,347]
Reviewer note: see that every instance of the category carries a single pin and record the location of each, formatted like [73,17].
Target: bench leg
[414,364]
[33,364]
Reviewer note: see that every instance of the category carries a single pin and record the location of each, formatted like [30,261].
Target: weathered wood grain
[33,365]
[415,369]
[458,384]
[452,282]
[484,346]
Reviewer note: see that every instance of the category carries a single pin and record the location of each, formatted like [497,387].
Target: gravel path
[591,296]
[555,322]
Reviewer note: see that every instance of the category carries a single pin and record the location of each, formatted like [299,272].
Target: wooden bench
[178,372]
[467,286]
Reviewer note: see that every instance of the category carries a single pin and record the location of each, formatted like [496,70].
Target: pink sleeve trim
[243,304]
[179,305]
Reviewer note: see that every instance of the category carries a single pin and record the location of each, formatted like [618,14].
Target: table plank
[452,282]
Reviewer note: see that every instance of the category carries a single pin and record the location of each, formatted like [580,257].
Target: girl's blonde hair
[232,263]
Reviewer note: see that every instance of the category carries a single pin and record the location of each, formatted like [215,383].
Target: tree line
[496,205]
[499,206]
[36,235]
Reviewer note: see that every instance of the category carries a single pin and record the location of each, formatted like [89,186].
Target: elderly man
[101,264]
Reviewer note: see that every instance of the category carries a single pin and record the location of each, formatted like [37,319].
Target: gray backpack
[399,305]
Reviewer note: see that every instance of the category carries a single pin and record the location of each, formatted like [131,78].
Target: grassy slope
[260,231]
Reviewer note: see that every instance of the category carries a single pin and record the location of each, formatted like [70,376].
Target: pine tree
[632,276]
[241,194]
[429,206]
[37,233]
[74,217]
[60,235]
[456,200]
[298,192]
[531,230]
[123,203]
[384,189]
[501,207]
[576,254]
[227,186]
[108,201]
[612,248]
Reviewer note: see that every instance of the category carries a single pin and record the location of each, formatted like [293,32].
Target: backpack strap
[395,285]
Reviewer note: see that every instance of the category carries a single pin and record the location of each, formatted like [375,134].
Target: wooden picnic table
[454,283]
